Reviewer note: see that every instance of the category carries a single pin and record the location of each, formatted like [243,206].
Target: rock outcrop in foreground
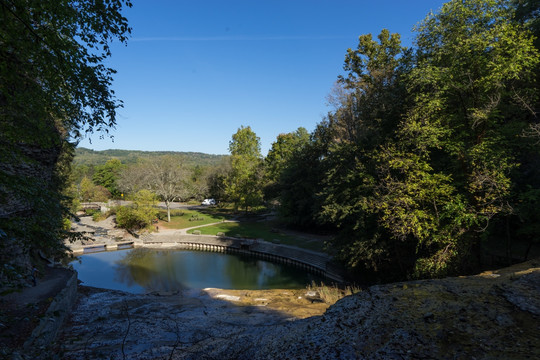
[494,315]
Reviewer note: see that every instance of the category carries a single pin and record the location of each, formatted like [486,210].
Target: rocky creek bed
[494,315]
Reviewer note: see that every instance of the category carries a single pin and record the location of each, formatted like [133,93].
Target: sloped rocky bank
[494,315]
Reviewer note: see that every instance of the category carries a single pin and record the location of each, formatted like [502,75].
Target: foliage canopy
[54,88]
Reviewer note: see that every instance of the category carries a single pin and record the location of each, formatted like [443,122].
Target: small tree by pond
[140,214]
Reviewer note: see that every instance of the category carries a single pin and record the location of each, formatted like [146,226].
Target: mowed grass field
[182,219]
[267,230]
[261,230]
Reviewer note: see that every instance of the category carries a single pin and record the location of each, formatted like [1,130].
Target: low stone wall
[312,261]
[318,263]
[57,312]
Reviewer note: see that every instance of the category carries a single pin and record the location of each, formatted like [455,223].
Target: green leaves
[53,51]
[141,214]
[424,157]
[244,182]
[54,87]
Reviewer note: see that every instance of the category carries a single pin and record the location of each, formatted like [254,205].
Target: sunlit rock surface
[188,324]
[494,315]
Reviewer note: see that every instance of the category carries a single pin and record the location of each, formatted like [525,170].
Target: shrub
[134,219]
[66,224]
[142,213]
[97,216]
[220,234]
[331,294]
[196,232]
[91,212]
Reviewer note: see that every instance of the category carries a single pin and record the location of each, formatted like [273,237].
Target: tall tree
[279,157]
[169,180]
[165,176]
[107,174]
[371,99]
[54,87]
[88,191]
[217,180]
[301,181]
[198,181]
[472,87]
[428,155]
[243,185]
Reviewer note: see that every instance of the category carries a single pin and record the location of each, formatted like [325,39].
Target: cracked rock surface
[493,315]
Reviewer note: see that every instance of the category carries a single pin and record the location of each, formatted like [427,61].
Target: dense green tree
[279,157]
[471,87]
[106,175]
[301,181]
[244,183]
[373,97]
[428,155]
[527,12]
[140,214]
[54,87]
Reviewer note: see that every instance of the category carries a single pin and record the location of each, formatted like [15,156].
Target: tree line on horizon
[92,158]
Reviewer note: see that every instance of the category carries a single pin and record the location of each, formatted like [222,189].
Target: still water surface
[146,270]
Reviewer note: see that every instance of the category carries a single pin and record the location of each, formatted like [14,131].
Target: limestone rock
[480,317]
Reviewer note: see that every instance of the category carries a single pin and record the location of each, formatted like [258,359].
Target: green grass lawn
[181,219]
[260,230]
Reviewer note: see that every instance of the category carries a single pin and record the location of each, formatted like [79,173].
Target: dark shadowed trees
[431,154]
[278,158]
[54,87]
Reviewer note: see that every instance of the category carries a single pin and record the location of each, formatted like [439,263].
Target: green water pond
[147,270]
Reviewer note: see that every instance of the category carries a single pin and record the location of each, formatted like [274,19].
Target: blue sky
[195,71]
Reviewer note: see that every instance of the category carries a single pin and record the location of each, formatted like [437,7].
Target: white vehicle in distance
[208,202]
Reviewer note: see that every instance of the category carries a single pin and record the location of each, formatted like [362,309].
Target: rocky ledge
[493,315]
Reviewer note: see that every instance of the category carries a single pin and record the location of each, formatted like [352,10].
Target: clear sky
[195,71]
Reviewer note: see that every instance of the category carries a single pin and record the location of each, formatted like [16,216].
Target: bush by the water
[134,219]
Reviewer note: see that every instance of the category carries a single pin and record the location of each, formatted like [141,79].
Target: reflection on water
[146,270]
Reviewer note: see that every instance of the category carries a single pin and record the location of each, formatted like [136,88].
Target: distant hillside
[84,156]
